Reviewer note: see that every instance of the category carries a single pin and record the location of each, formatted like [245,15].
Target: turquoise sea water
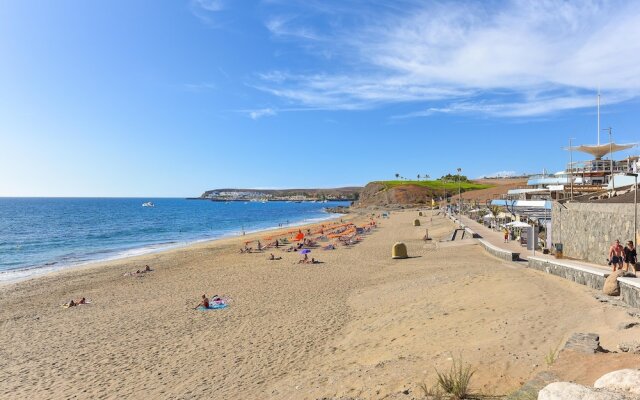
[44,234]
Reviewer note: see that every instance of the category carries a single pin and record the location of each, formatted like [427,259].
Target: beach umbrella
[305,251]
[518,224]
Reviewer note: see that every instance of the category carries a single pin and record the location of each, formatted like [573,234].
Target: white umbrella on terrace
[518,224]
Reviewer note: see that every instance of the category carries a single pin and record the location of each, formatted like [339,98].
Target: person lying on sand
[73,303]
[139,271]
[273,258]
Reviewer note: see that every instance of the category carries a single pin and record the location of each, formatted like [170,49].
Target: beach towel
[214,306]
[218,304]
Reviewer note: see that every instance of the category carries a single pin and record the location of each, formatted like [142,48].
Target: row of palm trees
[425,177]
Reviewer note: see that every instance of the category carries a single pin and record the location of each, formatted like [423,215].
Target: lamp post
[571,165]
[613,185]
[459,193]
[635,206]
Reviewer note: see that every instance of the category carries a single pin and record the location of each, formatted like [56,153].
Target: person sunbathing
[273,258]
[139,271]
[203,303]
[75,303]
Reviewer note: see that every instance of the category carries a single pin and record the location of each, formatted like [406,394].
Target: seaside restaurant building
[592,176]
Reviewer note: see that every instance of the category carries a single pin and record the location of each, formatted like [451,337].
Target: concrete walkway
[497,239]
[584,273]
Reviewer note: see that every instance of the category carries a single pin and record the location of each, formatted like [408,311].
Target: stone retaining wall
[630,292]
[592,279]
[498,252]
[586,230]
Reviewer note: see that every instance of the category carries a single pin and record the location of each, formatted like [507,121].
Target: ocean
[39,235]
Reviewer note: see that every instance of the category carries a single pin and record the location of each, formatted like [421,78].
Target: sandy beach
[357,325]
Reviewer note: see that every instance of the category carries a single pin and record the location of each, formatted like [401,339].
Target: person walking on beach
[506,235]
[630,257]
[616,255]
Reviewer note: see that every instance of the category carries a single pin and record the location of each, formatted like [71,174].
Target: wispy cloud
[209,5]
[205,9]
[284,27]
[523,59]
[264,112]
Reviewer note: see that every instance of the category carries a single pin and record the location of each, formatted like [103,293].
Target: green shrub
[456,381]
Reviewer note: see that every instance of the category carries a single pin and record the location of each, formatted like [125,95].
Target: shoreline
[35,272]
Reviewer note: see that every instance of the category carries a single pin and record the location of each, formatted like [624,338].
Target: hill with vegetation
[410,193]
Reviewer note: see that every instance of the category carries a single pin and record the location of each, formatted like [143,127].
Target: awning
[599,151]
[517,224]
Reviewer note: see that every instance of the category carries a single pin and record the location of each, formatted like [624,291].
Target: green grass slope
[436,185]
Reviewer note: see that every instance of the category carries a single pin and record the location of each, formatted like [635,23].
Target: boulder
[626,381]
[572,391]
[611,285]
[588,343]
[630,347]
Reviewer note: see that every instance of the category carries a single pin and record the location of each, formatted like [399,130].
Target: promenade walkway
[584,273]
[497,239]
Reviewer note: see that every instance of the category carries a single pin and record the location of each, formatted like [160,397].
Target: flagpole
[598,116]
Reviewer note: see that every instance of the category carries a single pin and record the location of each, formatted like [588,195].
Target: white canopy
[601,150]
[517,224]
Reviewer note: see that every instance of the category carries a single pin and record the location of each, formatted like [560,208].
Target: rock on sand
[626,380]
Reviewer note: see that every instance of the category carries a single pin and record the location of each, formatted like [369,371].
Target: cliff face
[376,194]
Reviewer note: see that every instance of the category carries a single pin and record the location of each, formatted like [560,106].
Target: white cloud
[282,27]
[205,9]
[524,59]
[209,5]
[264,112]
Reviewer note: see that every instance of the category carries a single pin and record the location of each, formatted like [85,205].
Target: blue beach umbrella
[305,251]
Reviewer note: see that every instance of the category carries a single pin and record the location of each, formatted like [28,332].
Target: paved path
[497,239]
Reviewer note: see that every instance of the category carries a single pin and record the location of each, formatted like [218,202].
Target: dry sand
[360,324]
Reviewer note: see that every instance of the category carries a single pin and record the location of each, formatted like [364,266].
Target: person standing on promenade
[506,235]
[616,255]
[630,257]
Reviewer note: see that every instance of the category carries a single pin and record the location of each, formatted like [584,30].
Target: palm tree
[418,176]
[397,175]
[495,211]
[426,177]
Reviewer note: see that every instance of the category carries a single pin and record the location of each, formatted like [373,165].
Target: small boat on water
[148,204]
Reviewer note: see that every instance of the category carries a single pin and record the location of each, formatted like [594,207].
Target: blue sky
[170,98]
